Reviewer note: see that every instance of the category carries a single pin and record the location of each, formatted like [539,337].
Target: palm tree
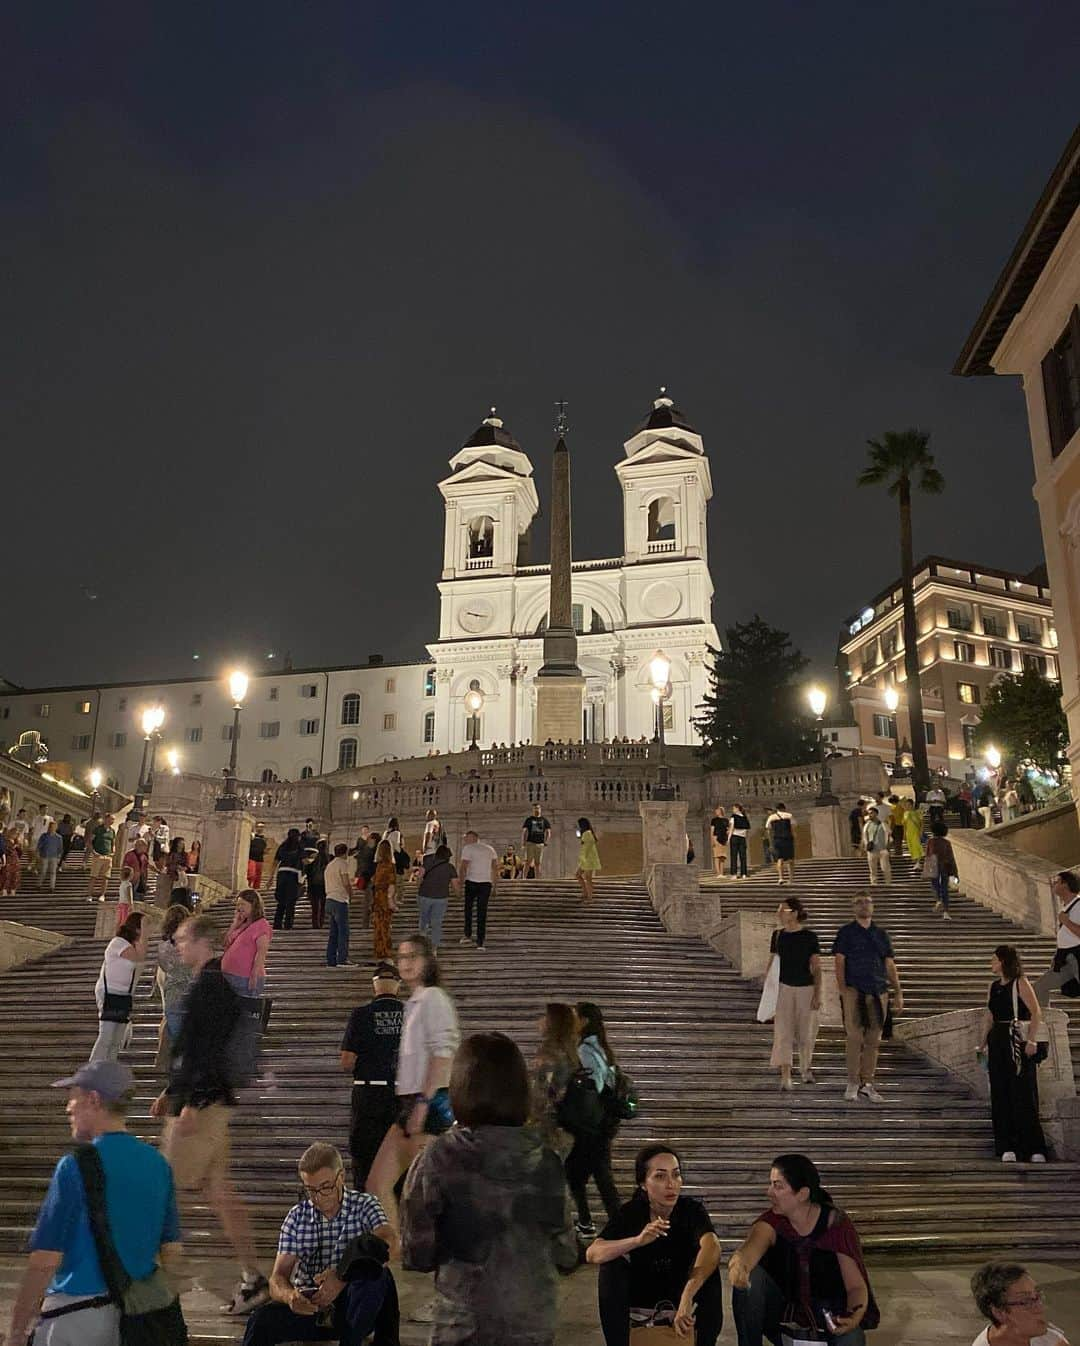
[901,459]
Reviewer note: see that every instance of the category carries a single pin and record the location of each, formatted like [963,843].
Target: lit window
[968,693]
[309,727]
[350,708]
[429,682]
[429,727]
[346,753]
[269,728]
[83,707]
[389,722]
[970,730]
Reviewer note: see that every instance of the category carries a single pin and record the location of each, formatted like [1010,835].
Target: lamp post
[153,717]
[892,700]
[95,778]
[660,677]
[238,685]
[474,704]
[818,701]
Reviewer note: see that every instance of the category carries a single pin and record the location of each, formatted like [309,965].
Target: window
[196,698]
[1035,661]
[306,772]
[391,685]
[194,735]
[309,727]
[931,732]
[43,711]
[1000,658]
[82,707]
[346,753]
[969,739]
[80,742]
[350,708]
[272,694]
[122,703]
[968,693]
[473,728]
[661,523]
[669,716]
[889,644]
[1061,385]
[482,537]
[884,726]
[1027,633]
[118,740]
[959,618]
[429,727]
[429,682]
[269,728]
[964,650]
[389,722]
[309,690]
[266,775]
[5,712]
[227,732]
[991,626]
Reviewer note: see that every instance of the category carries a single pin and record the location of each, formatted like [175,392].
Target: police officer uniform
[373,1034]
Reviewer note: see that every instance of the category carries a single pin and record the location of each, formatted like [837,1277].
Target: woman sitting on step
[801,1265]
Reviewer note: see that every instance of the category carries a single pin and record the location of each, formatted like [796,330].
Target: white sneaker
[851,1093]
[1009,1157]
[465,940]
[1038,1158]
[868,1091]
[248,1296]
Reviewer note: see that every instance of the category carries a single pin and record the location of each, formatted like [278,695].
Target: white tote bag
[770,992]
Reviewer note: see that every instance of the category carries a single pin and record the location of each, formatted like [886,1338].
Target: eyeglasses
[1028,1302]
[325,1188]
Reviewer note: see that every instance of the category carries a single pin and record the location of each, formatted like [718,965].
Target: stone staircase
[918,1173]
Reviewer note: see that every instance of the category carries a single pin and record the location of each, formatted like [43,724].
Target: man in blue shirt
[864,967]
[63,1277]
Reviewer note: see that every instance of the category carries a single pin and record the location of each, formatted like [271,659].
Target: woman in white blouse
[115,987]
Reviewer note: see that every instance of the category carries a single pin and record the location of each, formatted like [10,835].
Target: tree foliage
[751,716]
[1023,719]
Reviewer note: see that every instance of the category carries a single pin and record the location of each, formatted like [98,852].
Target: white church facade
[493,610]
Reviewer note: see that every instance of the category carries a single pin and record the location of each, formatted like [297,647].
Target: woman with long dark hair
[316,883]
[588,859]
[288,866]
[739,841]
[554,1065]
[1011,1028]
[590,1156]
[802,1262]
[799,998]
[116,985]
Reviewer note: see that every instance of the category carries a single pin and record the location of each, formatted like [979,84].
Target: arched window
[306,772]
[346,753]
[482,536]
[662,520]
[429,682]
[266,775]
[350,708]
[429,727]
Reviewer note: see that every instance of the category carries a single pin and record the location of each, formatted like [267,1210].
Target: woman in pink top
[247,942]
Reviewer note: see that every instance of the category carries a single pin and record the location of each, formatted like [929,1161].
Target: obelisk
[560,688]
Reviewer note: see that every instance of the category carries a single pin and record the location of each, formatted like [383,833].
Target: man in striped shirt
[330,1280]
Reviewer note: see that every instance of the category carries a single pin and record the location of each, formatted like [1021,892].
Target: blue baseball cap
[110,1079]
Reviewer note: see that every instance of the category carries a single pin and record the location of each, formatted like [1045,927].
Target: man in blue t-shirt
[865,965]
[63,1278]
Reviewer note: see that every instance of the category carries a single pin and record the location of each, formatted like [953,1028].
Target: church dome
[665,415]
[491,431]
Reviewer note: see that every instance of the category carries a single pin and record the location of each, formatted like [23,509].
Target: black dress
[1014,1083]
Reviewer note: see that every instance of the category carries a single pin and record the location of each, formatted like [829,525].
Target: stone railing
[1008,881]
[28,785]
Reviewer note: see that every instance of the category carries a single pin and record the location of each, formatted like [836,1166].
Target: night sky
[264,267]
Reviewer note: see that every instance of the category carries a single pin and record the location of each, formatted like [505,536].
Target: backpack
[581,1108]
[620,1099]
[781,829]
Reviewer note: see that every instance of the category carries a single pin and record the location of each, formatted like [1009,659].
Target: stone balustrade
[744,939]
[22,943]
[1010,882]
[30,786]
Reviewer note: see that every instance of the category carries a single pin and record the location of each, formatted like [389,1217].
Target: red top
[838,1237]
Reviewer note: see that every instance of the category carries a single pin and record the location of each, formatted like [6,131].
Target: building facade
[493,609]
[1030,326]
[974,624]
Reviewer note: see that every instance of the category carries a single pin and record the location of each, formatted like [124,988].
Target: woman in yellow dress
[913,830]
[588,858]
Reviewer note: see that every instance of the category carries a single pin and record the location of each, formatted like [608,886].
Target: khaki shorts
[100,865]
[202,1154]
[534,852]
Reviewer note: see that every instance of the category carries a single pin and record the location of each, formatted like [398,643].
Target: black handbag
[116,1008]
[150,1313]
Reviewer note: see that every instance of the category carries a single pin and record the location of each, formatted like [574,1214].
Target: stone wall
[996,875]
[1051,834]
[683,906]
[22,943]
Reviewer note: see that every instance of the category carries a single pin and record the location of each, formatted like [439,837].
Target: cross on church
[562,425]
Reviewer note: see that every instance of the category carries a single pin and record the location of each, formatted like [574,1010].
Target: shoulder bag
[770,991]
[116,1008]
[150,1313]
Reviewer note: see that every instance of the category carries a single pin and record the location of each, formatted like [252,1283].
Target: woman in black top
[316,883]
[719,827]
[799,999]
[1013,1061]
[660,1248]
[288,863]
[739,841]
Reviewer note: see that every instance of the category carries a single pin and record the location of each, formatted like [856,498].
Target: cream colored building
[1030,326]
[974,624]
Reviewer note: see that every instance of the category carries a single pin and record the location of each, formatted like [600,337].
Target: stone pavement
[921,1305]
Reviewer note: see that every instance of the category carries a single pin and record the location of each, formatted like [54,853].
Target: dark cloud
[258,290]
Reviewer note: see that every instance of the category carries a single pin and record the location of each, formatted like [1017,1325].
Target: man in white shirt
[1066,965]
[876,843]
[338,877]
[479,865]
[935,804]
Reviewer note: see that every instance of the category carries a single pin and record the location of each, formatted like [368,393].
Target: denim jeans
[432,914]
[940,884]
[337,940]
[758,1310]
[364,1306]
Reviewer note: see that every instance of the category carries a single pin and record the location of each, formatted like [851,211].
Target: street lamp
[238,685]
[993,757]
[818,699]
[892,700]
[95,779]
[173,759]
[474,704]
[153,717]
[660,677]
